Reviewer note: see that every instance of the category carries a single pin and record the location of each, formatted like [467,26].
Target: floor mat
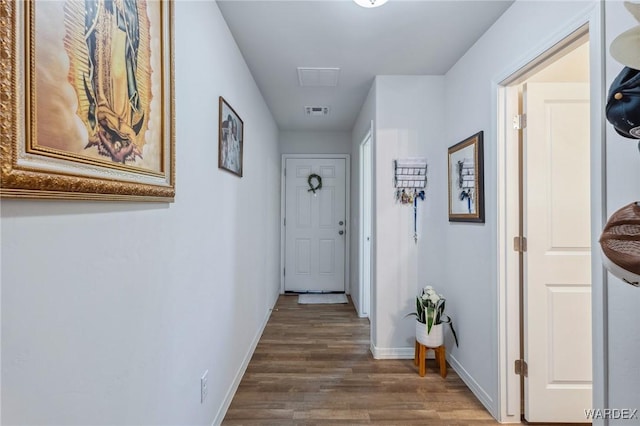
[325,298]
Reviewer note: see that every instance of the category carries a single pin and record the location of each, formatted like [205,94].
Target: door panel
[303,256]
[327,256]
[303,208]
[315,240]
[567,343]
[327,207]
[558,258]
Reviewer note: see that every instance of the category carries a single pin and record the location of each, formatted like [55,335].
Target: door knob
[341,223]
[341,232]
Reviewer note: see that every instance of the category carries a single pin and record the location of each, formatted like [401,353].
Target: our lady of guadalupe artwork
[115,114]
[88,94]
[96,83]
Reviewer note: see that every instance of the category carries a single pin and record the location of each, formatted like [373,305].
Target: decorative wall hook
[410,173]
[410,181]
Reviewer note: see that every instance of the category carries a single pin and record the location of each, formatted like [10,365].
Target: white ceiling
[402,37]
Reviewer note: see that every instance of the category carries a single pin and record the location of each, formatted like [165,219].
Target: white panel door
[315,226]
[557,329]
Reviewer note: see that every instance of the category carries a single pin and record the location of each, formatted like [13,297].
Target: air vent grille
[318,77]
[316,111]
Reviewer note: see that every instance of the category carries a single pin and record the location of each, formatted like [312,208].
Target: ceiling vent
[316,111]
[318,77]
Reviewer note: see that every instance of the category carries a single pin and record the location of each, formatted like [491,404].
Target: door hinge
[519,121]
[285,222]
[520,244]
[284,271]
[285,172]
[521,367]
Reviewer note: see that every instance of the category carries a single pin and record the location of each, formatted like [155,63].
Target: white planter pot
[432,340]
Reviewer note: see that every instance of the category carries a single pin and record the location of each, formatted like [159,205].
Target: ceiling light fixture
[370,3]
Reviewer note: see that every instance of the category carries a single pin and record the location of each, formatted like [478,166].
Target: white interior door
[365,220]
[557,329]
[315,226]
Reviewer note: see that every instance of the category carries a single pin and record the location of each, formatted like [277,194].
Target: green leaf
[430,319]
[447,319]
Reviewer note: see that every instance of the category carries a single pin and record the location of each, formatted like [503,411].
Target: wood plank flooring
[313,366]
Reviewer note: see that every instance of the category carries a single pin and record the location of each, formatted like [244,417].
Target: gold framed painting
[86,100]
[466,180]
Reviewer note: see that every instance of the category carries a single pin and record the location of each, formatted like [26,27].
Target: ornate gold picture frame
[86,100]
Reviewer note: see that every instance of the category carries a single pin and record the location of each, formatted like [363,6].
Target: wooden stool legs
[441,358]
[420,356]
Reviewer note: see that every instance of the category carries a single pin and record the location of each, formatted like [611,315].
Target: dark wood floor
[313,367]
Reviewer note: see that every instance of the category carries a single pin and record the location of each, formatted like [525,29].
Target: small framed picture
[466,180]
[230,139]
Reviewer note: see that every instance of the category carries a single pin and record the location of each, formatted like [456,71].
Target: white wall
[112,311]
[301,142]
[408,117]
[623,187]
[409,123]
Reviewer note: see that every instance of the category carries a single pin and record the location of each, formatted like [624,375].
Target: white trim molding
[365,300]
[392,353]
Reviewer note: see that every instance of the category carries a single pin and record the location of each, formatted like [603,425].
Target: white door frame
[347,253]
[365,293]
[509,336]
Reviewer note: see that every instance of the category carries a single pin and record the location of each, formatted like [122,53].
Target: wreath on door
[314,187]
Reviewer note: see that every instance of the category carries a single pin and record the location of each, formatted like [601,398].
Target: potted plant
[430,317]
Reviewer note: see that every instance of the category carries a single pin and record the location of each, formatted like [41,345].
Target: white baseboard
[243,367]
[475,387]
[360,314]
[395,353]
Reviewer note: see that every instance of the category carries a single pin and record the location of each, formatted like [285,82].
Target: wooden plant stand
[420,358]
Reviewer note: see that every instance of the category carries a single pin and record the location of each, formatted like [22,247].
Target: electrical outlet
[204,387]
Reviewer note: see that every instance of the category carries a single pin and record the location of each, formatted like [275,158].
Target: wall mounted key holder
[410,181]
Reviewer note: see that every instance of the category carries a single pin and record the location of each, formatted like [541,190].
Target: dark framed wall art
[230,139]
[86,100]
[466,180]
